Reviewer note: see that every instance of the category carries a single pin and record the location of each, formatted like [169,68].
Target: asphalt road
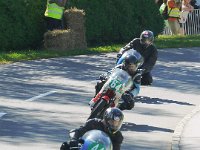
[40,101]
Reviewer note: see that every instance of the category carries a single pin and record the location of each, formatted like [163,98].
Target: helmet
[113,118]
[146,37]
[96,140]
[132,62]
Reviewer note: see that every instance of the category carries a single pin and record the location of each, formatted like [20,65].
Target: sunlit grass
[162,41]
[166,41]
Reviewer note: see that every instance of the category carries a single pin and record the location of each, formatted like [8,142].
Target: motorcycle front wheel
[99,109]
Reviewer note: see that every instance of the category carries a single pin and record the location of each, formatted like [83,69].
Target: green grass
[164,41]
[161,42]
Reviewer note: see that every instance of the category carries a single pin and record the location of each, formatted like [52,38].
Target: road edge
[176,137]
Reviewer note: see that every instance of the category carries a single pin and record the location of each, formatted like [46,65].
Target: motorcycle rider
[131,64]
[110,124]
[144,45]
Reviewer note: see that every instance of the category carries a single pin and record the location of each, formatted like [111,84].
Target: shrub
[114,21]
[107,21]
[22,24]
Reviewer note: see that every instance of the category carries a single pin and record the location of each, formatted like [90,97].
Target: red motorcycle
[117,83]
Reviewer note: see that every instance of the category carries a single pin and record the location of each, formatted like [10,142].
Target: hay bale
[59,40]
[80,40]
[74,19]
[73,37]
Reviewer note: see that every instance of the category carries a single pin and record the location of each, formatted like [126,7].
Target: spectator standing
[161,9]
[174,7]
[162,6]
[186,9]
[186,6]
[54,14]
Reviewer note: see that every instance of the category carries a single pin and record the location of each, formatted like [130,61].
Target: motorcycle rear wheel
[99,109]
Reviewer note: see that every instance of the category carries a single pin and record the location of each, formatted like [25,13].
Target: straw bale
[59,40]
[74,18]
[73,37]
[80,40]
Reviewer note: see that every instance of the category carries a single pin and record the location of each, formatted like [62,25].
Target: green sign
[96,146]
[116,85]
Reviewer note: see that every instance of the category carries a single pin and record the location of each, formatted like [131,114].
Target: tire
[99,109]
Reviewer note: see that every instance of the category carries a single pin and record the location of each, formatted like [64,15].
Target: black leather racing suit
[98,124]
[149,53]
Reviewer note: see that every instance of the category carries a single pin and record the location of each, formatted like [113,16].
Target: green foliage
[114,21]
[22,23]
[107,21]
[177,41]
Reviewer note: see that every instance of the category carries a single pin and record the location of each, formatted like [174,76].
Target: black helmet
[146,37]
[132,62]
[113,118]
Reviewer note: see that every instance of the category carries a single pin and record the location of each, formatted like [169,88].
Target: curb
[176,137]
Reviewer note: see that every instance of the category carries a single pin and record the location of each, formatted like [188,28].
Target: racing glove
[119,55]
[74,144]
[103,77]
[128,96]
[128,101]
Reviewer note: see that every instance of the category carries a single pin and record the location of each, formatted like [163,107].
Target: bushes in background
[107,21]
[116,21]
[21,24]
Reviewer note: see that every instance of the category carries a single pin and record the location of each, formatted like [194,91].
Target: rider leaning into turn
[144,45]
[130,65]
[110,124]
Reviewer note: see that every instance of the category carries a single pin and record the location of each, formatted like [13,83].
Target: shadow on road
[178,69]
[127,126]
[31,125]
[27,79]
[175,69]
[149,100]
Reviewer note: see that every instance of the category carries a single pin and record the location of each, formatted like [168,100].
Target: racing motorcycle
[117,83]
[94,140]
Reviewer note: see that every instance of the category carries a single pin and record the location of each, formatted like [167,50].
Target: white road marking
[39,96]
[2,114]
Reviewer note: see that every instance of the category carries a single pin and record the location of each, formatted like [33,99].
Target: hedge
[117,21]
[107,21]
[22,24]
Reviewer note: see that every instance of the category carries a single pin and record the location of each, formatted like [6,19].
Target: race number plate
[116,85]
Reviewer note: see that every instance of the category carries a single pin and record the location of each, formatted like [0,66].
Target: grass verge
[161,42]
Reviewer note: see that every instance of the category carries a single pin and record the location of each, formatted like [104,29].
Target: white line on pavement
[39,96]
[2,114]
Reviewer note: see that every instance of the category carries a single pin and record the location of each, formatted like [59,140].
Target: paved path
[40,101]
[187,133]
